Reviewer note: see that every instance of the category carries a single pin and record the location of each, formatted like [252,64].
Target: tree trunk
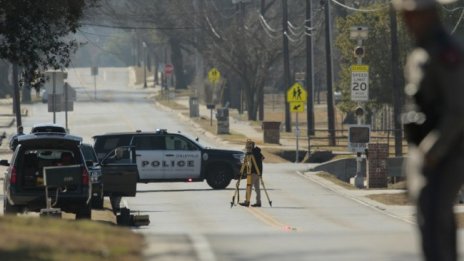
[5,87]
[252,105]
[176,58]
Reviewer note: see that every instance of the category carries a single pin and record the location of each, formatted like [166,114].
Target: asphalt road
[190,221]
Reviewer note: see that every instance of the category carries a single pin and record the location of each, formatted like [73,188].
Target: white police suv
[130,157]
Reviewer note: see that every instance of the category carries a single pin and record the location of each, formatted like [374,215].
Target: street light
[144,64]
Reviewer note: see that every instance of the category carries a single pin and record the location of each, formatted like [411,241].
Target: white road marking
[202,247]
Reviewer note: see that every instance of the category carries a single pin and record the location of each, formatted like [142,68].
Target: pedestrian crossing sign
[214,75]
[297,93]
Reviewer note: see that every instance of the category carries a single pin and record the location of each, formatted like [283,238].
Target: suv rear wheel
[9,209]
[219,177]
[84,212]
[97,202]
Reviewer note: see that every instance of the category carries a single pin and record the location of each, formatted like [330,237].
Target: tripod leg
[236,193]
[265,190]
[237,185]
[247,164]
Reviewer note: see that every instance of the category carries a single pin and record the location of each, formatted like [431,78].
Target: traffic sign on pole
[360,83]
[168,69]
[214,75]
[297,93]
[297,106]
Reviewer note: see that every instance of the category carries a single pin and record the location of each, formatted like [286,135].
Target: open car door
[119,172]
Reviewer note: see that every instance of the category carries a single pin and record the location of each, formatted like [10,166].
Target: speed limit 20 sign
[359,82]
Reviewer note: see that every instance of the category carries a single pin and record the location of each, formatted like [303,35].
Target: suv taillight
[85,177]
[13,176]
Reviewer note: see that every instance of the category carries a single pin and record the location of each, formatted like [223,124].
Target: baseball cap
[411,5]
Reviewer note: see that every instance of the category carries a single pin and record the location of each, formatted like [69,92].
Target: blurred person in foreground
[434,125]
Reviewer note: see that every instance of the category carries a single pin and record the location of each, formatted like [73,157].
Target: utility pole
[261,92]
[54,95]
[16,101]
[144,60]
[328,55]
[241,44]
[309,73]
[286,54]
[396,84]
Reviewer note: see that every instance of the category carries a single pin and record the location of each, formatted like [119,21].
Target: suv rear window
[32,162]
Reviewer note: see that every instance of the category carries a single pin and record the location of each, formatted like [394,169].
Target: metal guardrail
[321,139]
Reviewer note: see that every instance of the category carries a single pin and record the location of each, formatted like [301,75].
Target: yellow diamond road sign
[297,106]
[214,75]
[297,93]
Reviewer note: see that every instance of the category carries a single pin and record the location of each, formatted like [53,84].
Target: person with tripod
[256,174]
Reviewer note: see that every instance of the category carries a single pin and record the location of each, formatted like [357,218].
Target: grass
[31,238]
[392,198]
[335,180]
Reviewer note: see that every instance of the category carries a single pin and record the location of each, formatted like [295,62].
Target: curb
[379,207]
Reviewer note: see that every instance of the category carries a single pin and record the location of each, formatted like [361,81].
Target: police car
[160,156]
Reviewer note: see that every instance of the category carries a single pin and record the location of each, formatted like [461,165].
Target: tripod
[246,169]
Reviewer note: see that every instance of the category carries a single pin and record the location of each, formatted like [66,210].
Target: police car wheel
[219,177]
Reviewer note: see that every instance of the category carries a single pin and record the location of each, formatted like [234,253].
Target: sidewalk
[406,213]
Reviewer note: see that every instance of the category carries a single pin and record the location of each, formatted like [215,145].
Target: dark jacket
[259,160]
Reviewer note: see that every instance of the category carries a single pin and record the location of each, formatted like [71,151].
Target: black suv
[39,153]
[161,156]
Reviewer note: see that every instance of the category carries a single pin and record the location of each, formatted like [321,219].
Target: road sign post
[297,97]
[213,76]
[94,73]
[359,93]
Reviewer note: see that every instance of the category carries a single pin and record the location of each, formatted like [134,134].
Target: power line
[212,28]
[358,9]
[140,27]
[261,17]
[452,10]
[294,40]
[458,22]
[102,35]
[296,34]
[269,33]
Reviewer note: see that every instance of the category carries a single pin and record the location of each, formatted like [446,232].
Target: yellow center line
[269,220]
